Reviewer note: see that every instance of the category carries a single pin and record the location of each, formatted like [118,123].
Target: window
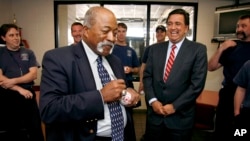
[140,17]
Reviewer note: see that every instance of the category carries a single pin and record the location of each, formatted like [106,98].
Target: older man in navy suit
[174,77]
[74,101]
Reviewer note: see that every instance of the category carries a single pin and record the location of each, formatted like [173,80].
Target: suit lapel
[162,57]
[84,66]
[181,56]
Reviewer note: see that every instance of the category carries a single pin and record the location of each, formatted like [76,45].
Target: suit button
[91,131]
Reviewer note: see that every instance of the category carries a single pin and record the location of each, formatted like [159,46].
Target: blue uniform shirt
[233,59]
[242,79]
[128,58]
[17,63]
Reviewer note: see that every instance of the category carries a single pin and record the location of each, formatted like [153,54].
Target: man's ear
[85,31]
[3,38]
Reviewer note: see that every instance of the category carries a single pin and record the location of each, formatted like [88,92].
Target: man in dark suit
[171,90]
[74,101]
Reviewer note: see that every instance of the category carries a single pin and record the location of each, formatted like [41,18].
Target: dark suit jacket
[70,103]
[184,84]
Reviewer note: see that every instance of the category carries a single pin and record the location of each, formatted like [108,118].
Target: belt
[98,138]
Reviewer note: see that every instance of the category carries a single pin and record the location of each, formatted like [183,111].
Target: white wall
[204,35]
[5,10]
[36,17]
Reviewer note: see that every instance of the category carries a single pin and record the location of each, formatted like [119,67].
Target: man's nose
[111,37]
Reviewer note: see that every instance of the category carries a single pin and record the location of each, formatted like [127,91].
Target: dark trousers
[19,118]
[129,131]
[242,124]
[103,138]
[162,133]
[224,122]
[15,135]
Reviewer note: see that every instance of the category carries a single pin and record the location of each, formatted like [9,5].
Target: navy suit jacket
[184,84]
[70,103]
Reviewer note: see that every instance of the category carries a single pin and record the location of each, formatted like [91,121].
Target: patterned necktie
[169,63]
[117,123]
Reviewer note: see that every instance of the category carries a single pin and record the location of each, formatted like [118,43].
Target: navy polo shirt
[242,79]
[16,63]
[233,59]
[128,57]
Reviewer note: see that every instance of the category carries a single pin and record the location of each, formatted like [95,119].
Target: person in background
[80,83]
[242,101]
[127,54]
[128,57]
[174,77]
[161,34]
[76,32]
[20,119]
[231,54]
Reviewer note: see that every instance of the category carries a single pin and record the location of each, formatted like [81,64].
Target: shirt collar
[92,56]
[178,45]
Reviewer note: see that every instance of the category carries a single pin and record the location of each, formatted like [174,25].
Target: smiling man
[81,86]
[174,77]
[77,32]
[230,55]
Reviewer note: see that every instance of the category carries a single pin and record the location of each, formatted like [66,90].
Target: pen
[113,77]
[124,92]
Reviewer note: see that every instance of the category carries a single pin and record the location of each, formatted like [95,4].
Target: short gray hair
[89,18]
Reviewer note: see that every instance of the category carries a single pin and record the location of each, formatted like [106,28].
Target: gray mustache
[106,44]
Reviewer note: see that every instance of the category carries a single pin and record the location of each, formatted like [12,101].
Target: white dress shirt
[103,126]
[178,46]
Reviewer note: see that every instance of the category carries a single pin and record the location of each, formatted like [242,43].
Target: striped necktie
[117,123]
[169,63]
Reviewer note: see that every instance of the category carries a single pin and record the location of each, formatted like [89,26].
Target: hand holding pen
[112,91]
[130,97]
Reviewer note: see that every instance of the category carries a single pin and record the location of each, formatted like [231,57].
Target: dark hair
[243,17]
[161,27]
[123,25]
[4,29]
[2,41]
[182,12]
[76,23]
